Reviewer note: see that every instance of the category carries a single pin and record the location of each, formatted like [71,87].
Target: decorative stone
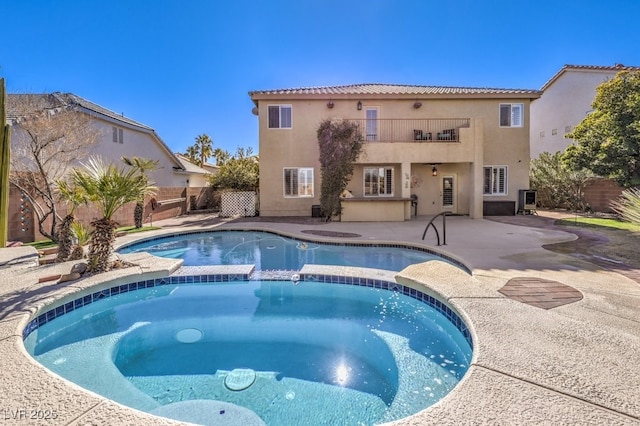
[79,268]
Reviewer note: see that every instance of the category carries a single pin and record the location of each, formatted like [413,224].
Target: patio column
[405,172]
[476,197]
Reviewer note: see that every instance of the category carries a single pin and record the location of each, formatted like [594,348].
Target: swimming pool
[312,353]
[268,251]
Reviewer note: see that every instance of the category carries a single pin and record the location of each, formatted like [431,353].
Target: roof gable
[593,68]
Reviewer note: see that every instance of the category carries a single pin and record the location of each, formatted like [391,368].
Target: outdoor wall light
[417,105]
[434,171]
[330,104]
[359,106]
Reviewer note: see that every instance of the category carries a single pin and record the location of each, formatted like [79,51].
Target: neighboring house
[566,99]
[121,136]
[198,176]
[177,181]
[462,150]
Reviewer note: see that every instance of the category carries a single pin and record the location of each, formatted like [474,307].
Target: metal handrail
[444,228]
[422,130]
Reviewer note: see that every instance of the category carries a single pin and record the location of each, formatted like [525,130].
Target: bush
[628,205]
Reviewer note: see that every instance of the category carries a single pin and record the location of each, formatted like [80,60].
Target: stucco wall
[563,105]
[298,147]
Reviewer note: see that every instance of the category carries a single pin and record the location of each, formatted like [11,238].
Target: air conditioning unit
[527,200]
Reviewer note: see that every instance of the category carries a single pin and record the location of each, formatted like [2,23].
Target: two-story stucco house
[456,149]
[566,99]
[119,135]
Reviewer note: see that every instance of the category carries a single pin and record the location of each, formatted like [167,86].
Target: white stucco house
[119,136]
[198,176]
[566,99]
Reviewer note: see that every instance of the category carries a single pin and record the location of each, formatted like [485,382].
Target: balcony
[412,130]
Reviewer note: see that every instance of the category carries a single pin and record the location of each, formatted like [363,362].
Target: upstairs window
[378,181]
[495,180]
[118,135]
[298,182]
[279,116]
[511,115]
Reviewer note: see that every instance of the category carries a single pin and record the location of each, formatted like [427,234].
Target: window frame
[510,115]
[117,134]
[280,107]
[304,178]
[494,183]
[388,177]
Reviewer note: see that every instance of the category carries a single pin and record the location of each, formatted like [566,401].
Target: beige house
[565,101]
[461,150]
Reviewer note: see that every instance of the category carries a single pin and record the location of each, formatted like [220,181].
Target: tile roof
[393,89]
[614,68]
[19,104]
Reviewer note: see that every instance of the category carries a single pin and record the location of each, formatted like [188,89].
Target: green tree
[556,183]
[200,152]
[109,188]
[340,144]
[608,139]
[142,165]
[74,197]
[221,156]
[238,173]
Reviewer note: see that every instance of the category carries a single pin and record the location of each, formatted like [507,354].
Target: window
[279,116]
[495,180]
[378,181]
[118,135]
[511,115]
[298,182]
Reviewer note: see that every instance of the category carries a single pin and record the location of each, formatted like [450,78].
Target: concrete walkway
[576,363]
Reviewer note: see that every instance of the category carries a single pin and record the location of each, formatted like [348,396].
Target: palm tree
[73,197]
[142,165]
[200,152]
[82,235]
[110,188]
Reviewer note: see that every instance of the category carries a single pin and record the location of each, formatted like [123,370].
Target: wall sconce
[330,104]
[434,171]
[417,105]
[359,106]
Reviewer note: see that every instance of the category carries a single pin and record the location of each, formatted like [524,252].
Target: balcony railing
[411,130]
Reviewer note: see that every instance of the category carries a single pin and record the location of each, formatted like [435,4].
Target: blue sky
[185,67]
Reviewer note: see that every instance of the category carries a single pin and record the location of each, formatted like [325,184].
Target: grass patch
[42,244]
[599,222]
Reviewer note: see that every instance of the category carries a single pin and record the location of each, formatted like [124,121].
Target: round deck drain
[240,379]
[189,335]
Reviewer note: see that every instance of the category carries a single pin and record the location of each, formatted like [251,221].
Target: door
[448,193]
[371,126]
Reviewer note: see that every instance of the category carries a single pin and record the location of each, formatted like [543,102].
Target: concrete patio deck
[576,363]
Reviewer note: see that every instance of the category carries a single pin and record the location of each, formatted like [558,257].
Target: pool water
[272,252]
[287,353]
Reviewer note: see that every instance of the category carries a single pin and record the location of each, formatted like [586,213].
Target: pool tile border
[87,299]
